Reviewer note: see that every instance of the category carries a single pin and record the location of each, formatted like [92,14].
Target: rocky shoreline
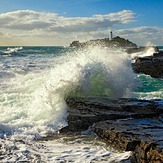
[125,124]
[151,65]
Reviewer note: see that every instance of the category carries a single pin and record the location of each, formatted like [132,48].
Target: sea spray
[105,72]
[34,103]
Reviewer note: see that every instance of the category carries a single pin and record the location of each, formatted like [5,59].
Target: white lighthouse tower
[111,35]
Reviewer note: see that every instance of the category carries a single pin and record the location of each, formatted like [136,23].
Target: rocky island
[106,42]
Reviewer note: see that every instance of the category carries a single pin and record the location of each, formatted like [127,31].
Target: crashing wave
[11,51]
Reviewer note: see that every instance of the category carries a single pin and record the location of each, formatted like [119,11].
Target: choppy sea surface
[34,83]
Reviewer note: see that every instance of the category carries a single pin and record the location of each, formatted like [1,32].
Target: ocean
[34,83]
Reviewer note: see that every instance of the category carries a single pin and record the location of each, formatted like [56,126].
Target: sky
[59,22]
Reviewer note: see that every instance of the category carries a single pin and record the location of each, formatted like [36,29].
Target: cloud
[140,30]
[27,20]
[42,28]
[143,34]
[4,35]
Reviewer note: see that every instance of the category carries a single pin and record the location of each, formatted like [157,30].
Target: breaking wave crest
[11,51]
[34,104]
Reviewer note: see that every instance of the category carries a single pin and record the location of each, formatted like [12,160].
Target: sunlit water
[34,82]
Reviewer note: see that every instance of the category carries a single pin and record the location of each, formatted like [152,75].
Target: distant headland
[113,42]
[106,42]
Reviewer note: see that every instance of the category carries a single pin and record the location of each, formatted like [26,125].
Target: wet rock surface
[142,136]
[126,124]
[152,65]
[84,112]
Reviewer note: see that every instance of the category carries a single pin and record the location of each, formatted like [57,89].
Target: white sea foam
[34,103]
[11,51]
[76,150]
[148,52]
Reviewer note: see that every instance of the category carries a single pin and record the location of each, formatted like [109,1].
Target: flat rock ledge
[125,124]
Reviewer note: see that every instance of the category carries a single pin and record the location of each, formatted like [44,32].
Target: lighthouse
[111,35]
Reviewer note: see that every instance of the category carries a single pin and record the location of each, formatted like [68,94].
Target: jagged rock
[143,136]
[126,124]
[159,54]
[152,65]
[148,152]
